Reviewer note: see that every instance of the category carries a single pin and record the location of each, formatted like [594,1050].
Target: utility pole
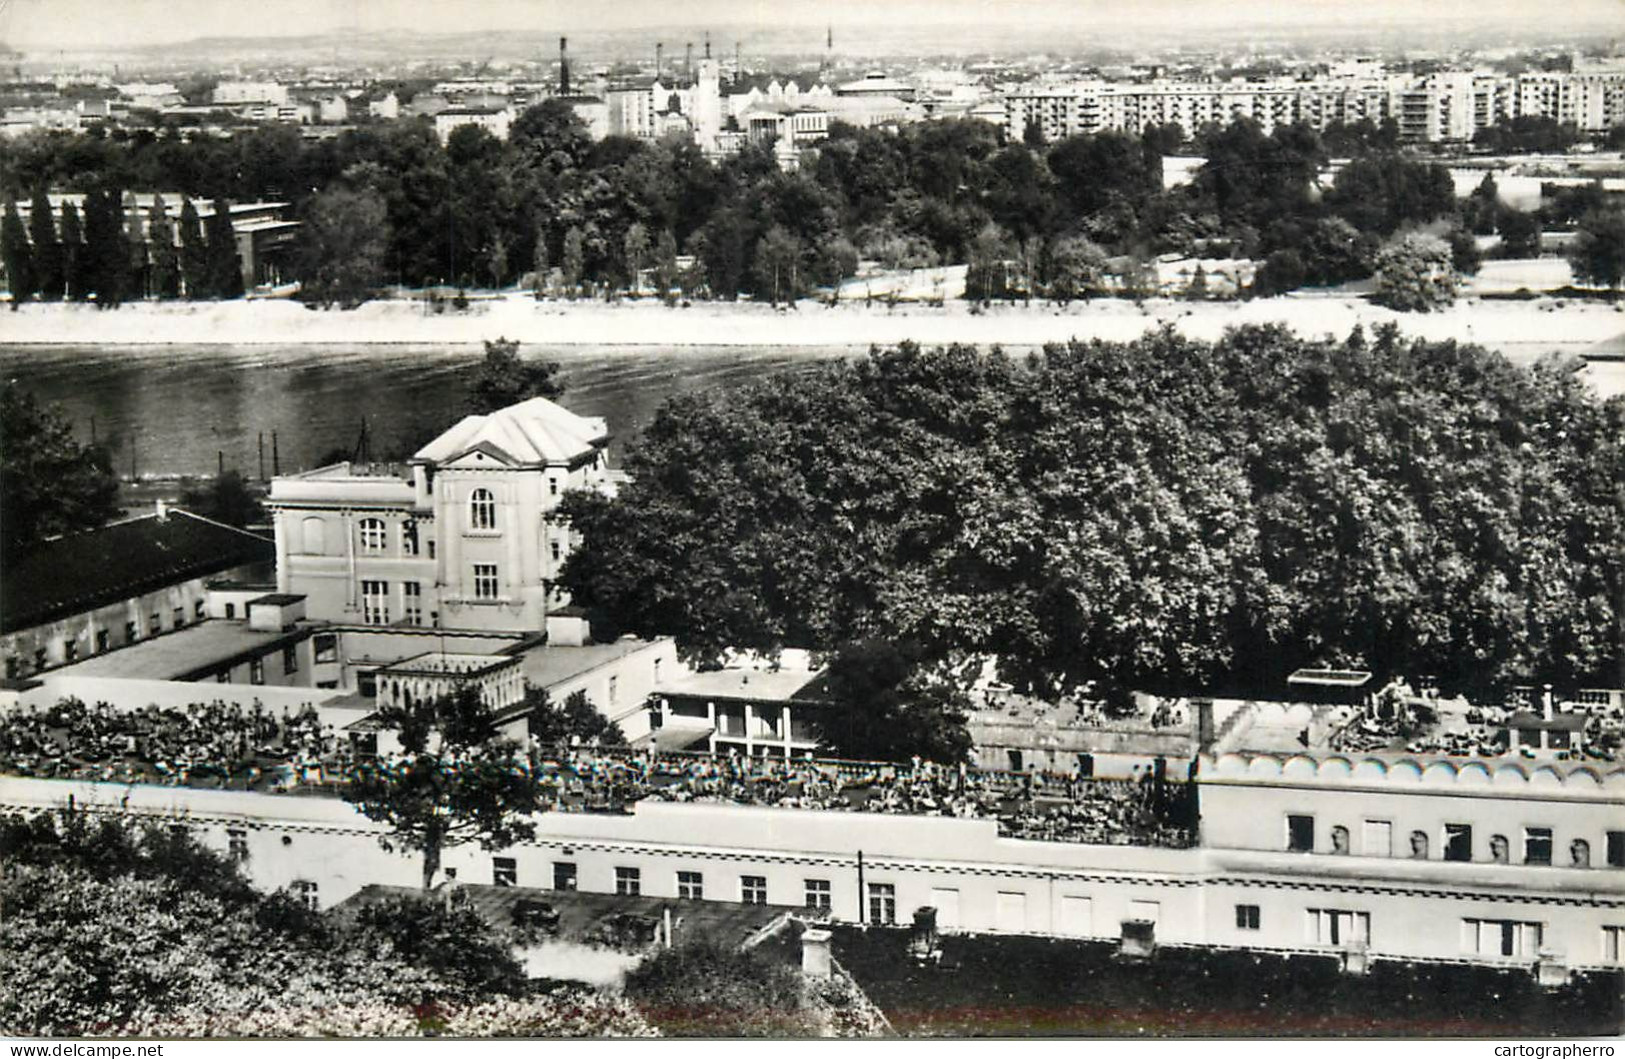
[262,455]
[276,464]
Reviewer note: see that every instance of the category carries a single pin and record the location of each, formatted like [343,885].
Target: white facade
[462,541]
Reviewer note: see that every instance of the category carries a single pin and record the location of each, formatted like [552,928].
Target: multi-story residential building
[460,538]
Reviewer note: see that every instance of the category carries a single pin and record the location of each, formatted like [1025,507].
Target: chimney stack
[660,58]
[707,44]
[688,60]
[564,67]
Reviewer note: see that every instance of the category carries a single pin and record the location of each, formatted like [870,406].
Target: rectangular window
[1616,849]
[1537,845]
[1458,842]
[614,689]
[690,885]
[564,875]
[237,843]
[504,871]
[14,667]
[1300,833]
[231,611]
[1247,917]
[1500,937]
[131,633]
[1334,926]
[555,551]
[155,623]
[1377,839]
[431,549]
[179,617]
[1612,952]
[818,894]
[256,671]
[485,580]
[327,647]
[290,659]
[199,610]
[753,889]
[882,904]
[305,892]
[409,537]
[628,882]
[412,602]
[375,602]
[70,650]
[372,535]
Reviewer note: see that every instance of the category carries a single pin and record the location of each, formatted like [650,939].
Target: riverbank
[1571,325]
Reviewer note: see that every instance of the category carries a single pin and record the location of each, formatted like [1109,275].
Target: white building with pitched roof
[459,538]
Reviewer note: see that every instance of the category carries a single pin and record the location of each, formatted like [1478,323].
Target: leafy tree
[48,275]
[1381,193]
[224,267]
[1197,290]
[49,483]
[504,378]
[1465,257]
[17,256]
[884,707]
[455,781]
[1416,273]
[777,271]
[194,257]
[75,271]
[340,255]
[1077,267]
[1527,133]
[539,264]
[1520,233]
[166,268]
[987,276]
[576,719]
[227,499]
[665,262]
[1282,271]
[135,244]
[1598,252]
[706,989]
[574,264]
[634,251]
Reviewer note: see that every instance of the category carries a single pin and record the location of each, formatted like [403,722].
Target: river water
[174,408]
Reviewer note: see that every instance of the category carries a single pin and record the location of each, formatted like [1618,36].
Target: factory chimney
[564,67]
[660,58]
[707,44]
[688,60]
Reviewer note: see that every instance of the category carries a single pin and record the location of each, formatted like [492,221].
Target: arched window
[1419,845]
[315,537]
[372,534]
[482,510]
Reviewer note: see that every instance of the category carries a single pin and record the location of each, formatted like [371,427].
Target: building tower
[688,61]
[660,58]
[564,67]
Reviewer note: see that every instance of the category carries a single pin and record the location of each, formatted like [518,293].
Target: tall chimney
[564,67]
[660,58]
[688,60]
[707,44]
[738,70]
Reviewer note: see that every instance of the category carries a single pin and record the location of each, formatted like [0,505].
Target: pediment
[484,455]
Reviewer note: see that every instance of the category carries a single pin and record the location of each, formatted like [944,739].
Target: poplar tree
[194,253]
[74,281]
[48,278]
[15,253]
[135,245]
[224,269]
[165,259]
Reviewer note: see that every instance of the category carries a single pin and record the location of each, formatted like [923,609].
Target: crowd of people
[213,744]
[231,746]
[1031,805]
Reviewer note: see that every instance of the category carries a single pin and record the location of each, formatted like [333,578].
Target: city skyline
[102,24]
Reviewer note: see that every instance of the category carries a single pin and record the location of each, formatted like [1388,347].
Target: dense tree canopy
[504,378]
[1166,514]
[50,483]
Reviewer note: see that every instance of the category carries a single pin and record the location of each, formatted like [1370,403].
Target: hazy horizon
[40,25]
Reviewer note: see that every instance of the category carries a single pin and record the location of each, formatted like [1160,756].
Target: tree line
[1163,514]
[110,250]
[572,216]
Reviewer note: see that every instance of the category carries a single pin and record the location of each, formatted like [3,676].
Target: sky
[80,24]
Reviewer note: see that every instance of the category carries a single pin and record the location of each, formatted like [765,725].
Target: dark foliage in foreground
[1163,514]
[1044,987]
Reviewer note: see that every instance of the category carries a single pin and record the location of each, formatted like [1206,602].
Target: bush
[1416,273]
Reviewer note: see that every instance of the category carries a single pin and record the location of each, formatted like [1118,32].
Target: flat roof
[194,650]
[757,685]
[1572,722]
[545,665]
[277,599]
[440,663]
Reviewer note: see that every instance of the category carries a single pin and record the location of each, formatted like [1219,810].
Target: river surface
[174,408]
